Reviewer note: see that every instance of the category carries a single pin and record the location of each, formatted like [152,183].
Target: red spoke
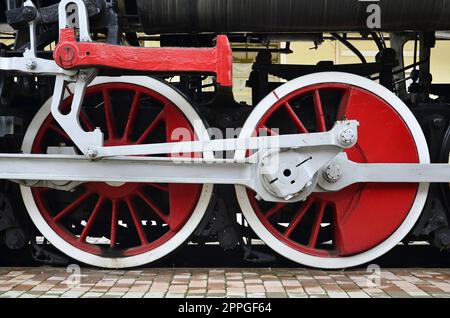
[295,118]
[270,131]
[150,128]
[110,121]
[153,206]
[42,190]
[320,118]
[132,116]
[114,216]
[338,242]
[59,131]
[72,206]
[68,90]
[92,219]
[299,216]
[159,186]
[274,210]
[137,222]
[345,101]
[317,224]
[86,121]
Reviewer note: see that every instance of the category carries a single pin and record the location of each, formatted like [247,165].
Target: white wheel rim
[402,230]
[136,260]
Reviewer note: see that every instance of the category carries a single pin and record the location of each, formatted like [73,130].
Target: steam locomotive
[115,121]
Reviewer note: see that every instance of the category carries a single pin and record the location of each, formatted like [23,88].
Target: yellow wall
[440,62]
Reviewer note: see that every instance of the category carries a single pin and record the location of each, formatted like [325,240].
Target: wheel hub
[289,174]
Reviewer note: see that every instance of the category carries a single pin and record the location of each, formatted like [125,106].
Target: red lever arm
[70,54]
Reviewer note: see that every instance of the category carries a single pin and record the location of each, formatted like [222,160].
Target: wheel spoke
[277,208]
[60,132]
[159,186]
[92,218]
[299,216]
[43,190]
[68,90]
[345,102]
[110,121]
[320,118]
[137,222]
[72,206]
[86,121]
[150,128]
[132,116]
[270,131]
[153,206]
[317,224]
[114,217]
[295,118]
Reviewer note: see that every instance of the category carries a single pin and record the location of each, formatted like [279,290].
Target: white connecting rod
[330,138]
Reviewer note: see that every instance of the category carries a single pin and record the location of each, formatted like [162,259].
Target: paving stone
[154,295]
[113,295]
[47,282]
[441,285]
[337,294]
[30,295]
[357,294]
[72,294]
[295,295]
[12,294]
[92,295]
[131,294]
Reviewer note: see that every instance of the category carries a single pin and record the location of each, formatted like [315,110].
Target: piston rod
[352,172]
[206,171]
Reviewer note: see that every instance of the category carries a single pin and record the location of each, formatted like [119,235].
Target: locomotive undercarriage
[118,169]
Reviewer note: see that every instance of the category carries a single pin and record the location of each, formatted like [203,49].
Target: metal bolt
[444,238]
[440,219]
[347,136]
[67,55]
[438,122]
[83,76]
[332,173]
[14,238]
[29,13]
[30,64]
[91,153]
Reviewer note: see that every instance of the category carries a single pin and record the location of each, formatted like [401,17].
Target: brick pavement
[49,282]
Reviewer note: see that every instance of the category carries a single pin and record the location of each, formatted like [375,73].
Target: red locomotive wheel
[118,224]
[363,221]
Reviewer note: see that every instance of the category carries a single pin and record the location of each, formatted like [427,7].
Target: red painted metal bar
[70,54]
